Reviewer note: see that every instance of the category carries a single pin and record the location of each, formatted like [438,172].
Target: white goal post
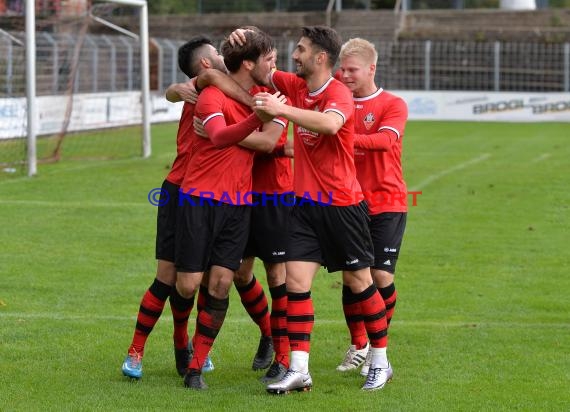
[32,113]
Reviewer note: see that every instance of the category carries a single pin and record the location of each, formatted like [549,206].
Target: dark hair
[257,44]
[326,39]
[187,54]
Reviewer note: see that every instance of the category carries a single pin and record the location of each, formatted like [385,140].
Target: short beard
[302,74]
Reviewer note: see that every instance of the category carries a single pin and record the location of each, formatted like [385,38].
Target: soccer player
[214,215]
[380,120]
[194,56]
[268,237]
[268,240]
[326,229]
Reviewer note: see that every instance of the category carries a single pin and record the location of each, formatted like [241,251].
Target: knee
[382,278]
[275,274]
[186,287]
[242,277]
[221,288]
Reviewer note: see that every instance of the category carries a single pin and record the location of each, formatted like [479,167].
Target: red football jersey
[222,174]
[324,164]
[380,172]
[185,131]
[273,174]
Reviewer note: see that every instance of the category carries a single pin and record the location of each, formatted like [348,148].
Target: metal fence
[112,63]
[105,63]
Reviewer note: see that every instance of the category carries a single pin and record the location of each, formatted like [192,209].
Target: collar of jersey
[372,96]
[322,88]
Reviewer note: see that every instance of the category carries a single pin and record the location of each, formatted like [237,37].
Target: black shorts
[210,234]
[338,237]
[387,230]
[166,222]
[269,229]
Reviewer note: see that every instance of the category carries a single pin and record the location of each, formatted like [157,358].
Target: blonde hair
[360,48]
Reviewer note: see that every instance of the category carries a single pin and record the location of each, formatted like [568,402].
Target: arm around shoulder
[213,77]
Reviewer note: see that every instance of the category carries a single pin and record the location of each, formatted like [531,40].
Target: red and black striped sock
[201,301]
[202,296]
[389,295]
[208,324]
[278,320]
[373,313]
[181,308]
[353,317]
[255,303]
[300,320]
[150,310]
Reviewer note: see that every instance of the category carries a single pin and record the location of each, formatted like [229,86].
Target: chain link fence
[112,63]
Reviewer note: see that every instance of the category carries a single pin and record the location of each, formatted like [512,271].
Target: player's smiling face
[263,67]
[303,57]
[356,74]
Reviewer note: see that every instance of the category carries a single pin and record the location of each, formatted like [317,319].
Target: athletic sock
[278,320]
[208,324]
[300,361]
[202,296]
[300,320]
[389,295]
[255,303]
[379,358]
[181,308]
[353,317]
[373,313]
[150,309]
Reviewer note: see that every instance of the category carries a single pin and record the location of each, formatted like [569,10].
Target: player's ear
[322,57]
[372,68]
[248,64]
[206,63]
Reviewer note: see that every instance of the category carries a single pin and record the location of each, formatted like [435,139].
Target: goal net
[88,101]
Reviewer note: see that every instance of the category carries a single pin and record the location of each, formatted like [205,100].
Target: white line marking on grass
[85,166]
[436,176]
[540,158]
[246,319]
[47,203]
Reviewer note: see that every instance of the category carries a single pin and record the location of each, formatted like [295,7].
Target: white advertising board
[100,110]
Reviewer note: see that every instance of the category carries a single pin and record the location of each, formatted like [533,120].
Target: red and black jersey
[273,174]
[324,164]
[223,173]
[185,132]
[380,120]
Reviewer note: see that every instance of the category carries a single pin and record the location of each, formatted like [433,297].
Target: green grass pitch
[482,321]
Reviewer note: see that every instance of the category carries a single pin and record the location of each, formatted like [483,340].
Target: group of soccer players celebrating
[232,141]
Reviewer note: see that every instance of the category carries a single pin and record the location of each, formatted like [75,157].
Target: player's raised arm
[225,83]
[186,91]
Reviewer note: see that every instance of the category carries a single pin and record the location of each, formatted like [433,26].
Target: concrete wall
[552,25]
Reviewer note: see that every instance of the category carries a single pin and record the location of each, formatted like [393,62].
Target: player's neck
[317,80]
[243,79]
[366,90]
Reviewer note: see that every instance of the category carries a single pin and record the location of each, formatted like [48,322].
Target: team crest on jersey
[369,121]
